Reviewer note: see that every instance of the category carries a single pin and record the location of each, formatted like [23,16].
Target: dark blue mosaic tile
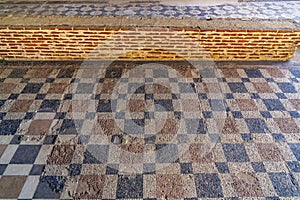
[37,170]
[49,106]
[266,114]
[237,88]
[25,154]
[269,80]
[256,125]
[272,198]
[106,106]
[32,88]
[74,169]
[150,140]
[9,127]
[66,73]
[16,139]
[237,114]
[40,96]
[186,168]
[295,72]
[49,187]
[60,115]
[287,87]
[203,96]
[247,137]
[229,96]
[50,139]
[2,103]
[295,149]
[273,104]
[278,137]
[112,169]
[95,96]
[2,115]
[49,80]
[113,73]
[281,96]
[130,186]
[253,73]
[13,96]
[68,96]
[255,96]
[195,126]
[18,73]
[29,115]
[70,126]
[96,154]
[235,153]
[207,114]
[294,114]
[222,167]
[25,80]
[258,166]
[294,166]
[208,185]
[163,105]
[2,168]
[245,80]
[285,184]
[149,115]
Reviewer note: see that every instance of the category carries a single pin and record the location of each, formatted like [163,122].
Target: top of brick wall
[100,21]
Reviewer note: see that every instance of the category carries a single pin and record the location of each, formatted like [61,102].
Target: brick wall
[145,44]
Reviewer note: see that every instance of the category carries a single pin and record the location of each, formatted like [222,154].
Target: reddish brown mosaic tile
[247,185]
[136,105]
[230,73]
[90,187]
[21,106]
[246,104]
[276,73]
[11,186]
[296,103]
[269,152]
[57,88]
[262,87]
[230,126]
[198,154]
[169,186]
[39,127]
[287,125]
[7,88]
[61,154]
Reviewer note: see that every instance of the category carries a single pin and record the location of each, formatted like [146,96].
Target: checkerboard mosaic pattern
[271,9]
[134,132]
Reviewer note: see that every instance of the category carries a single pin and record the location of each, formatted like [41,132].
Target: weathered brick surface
[145,43]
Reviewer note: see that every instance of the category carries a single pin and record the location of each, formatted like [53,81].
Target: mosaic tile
[53,138]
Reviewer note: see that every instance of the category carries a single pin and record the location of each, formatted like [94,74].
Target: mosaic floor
[135,130]
[242,10]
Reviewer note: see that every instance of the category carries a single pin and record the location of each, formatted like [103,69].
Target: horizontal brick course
[145,43]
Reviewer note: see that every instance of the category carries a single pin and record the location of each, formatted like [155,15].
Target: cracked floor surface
[162,130]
